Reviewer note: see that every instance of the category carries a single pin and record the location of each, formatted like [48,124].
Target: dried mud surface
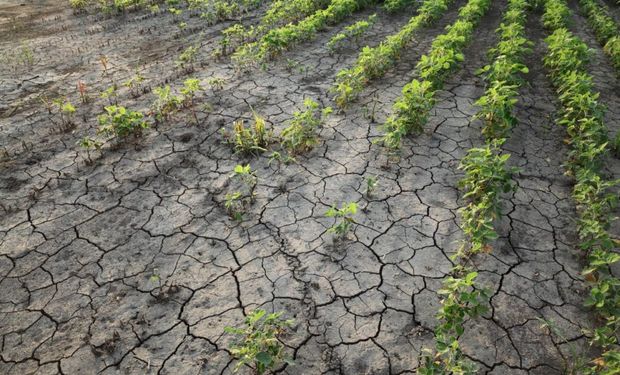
[79,243]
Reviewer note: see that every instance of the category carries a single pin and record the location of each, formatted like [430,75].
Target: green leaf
[264,358]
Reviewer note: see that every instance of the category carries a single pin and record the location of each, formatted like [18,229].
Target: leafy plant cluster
[259,344]
[249,139]
[412,108]
[280,39]
[351,32]
[604,27]
[299,136]
[566,61]
[374,62]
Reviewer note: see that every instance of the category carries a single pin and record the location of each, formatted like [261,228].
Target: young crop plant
[582,115]
[166,103]
[83,91]
[412,108]
[190,88]
[89,143]
[187,58]
[216,83]
[245,181]
[372,182]
[110,94]
[121,122]
[259,343]
[301,134]
[352,32]
[373,63]
[344,219]
[66,111]
[249,140]
[134,85]
[612,48]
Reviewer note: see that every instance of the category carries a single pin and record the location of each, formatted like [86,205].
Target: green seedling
[371,184]
[134,85]
[277,156]
[190,88]
[344,218]
[237,201]
[301,135]
[166,103]
[110,94]
[259,343]
[66,111]
[187,58]
[88,143]
[216,83]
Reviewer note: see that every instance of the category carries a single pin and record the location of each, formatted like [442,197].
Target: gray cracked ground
[79,243]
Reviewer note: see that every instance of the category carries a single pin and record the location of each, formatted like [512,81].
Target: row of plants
[352,32]
[281,12]
[412,108]
[280,39]
[582,116]
[605,28]
[487,177]
[277,40]
[393,6]
[374,62]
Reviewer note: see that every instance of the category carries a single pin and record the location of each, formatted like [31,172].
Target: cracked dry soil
[79,243]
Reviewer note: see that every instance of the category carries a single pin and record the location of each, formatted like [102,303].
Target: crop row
[280,13]
[280,39]
[486,178]
[582,116]
[412,108]
[604,27]
[373,62]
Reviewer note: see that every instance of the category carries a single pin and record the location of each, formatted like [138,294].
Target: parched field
[130,253]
